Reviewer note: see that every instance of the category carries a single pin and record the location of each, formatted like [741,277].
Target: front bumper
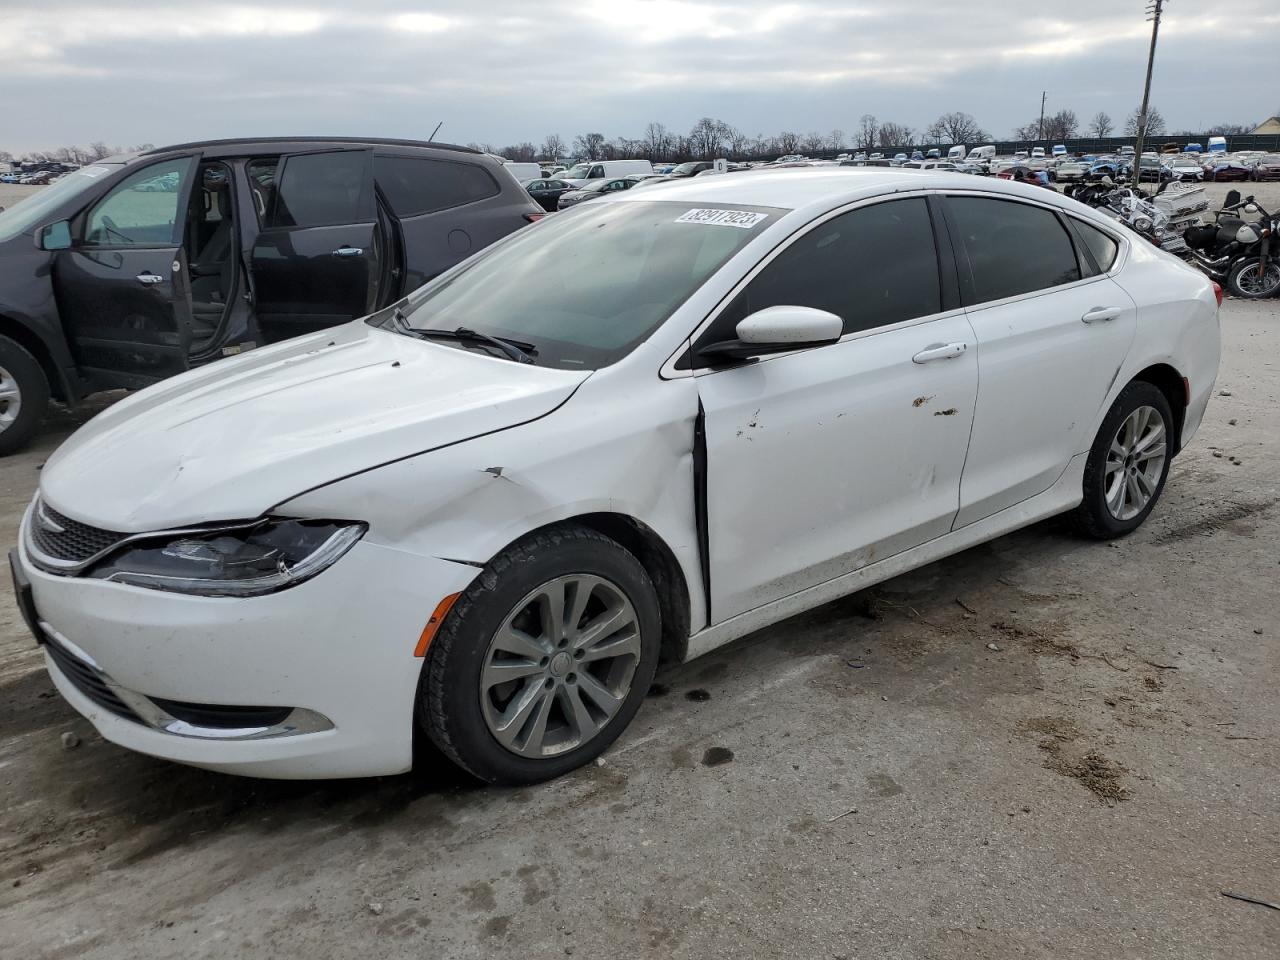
[338,649]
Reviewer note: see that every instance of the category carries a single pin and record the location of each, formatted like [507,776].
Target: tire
[1098,516]
[461,714]
[1250,280]
[24,385]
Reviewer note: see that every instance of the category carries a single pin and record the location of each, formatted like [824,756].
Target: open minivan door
[120,279]
[316,261]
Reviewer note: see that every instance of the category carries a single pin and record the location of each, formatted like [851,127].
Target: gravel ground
[871,779]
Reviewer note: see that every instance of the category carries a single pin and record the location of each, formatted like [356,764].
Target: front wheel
[1128,463]
[544,659]
[24,395]
[1254,278]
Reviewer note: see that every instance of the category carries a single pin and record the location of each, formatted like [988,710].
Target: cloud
[508,70]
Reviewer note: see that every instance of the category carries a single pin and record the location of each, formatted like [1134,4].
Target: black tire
[449,700]
[1271,279]
[1093,517]
[33,390]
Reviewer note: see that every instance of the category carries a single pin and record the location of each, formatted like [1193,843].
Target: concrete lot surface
[1044,747]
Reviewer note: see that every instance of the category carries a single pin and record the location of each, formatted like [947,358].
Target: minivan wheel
[24,395]
[544,659]
[1253,279]
[1128,463]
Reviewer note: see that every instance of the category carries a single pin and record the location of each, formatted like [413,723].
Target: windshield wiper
[515,350]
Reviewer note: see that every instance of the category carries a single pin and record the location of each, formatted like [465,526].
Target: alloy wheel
[560,666]
[10,399]
[1135,463]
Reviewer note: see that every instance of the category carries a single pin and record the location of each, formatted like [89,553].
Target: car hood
[232,440]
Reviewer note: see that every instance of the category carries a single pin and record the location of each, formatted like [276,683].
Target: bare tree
[868,132]
[896,135]
[552,147]
[657,141]
[707,138]
[787,142]
[1101,125]
[813,142]
[956,127]
[1155,123]
[1228,129]
[835,140]
[589,146]
[1063,125]
[739,142]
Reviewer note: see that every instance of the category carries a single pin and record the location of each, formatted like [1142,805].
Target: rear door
[122,288]
[316,260]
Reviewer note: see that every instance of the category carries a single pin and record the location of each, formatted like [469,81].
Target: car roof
[831,187]
[237,146]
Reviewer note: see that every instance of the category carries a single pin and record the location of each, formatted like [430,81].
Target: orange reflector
[437,617]
[1186,391]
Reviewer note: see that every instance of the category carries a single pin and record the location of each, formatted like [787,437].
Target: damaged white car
[640,429]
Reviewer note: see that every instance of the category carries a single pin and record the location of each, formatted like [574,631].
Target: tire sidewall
[1233,282]
[1137,394]
[33,387]
[470,628]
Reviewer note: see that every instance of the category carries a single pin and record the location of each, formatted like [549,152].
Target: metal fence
[1252,141]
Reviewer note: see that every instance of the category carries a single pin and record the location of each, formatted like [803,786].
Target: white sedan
[643,428]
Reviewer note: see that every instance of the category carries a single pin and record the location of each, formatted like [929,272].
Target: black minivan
[143,265]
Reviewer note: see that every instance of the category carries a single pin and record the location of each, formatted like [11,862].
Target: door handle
[349,252]
[149,278]
[940,351]
[1098,314]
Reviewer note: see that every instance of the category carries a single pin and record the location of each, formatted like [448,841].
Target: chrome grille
[60,538]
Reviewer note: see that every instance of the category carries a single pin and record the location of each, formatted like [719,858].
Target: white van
[523,171]
[982,154]
[599,169]
[956,152]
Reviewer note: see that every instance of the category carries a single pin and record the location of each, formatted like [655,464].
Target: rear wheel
[1128,463]
[24,395]
[1254,279]
[544,659]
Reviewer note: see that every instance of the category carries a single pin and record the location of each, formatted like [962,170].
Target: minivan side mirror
[55,236]
[777,330]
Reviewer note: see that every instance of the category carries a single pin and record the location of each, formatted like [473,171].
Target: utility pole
[1155,9]
[435,131]
[1044,95]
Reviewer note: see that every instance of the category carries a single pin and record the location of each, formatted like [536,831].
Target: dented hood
[231,440]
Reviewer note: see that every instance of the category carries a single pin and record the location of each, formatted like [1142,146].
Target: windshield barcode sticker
[742,219]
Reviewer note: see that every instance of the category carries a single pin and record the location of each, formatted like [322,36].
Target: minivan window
[584,290]
[141,209]
[417,185]
[1103,248]
[35,210]
[320,190]
[1012,248]
[871,267]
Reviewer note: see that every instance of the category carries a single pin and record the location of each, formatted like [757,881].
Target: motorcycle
[1241,255]
[1149,218]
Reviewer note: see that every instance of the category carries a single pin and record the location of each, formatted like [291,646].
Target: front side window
[141,210]
[1012,248]
[35,210]
[415,186]
[871,267]
[585,289]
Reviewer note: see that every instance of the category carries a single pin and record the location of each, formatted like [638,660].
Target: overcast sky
[502,71]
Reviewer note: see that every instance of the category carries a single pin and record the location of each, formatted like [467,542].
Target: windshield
[584,288]
[578,172]
[33,210]
[686,168]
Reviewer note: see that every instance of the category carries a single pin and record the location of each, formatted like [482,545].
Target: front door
[316,260]
[122,289]
[825,460]
[1052,330]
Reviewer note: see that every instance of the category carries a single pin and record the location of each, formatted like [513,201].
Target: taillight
[534,217]
[1217,291]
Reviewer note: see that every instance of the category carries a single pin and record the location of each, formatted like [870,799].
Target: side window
[320,190]
[1012,248]
[872,266]
[596,173]
[143,208]
[1101,246]
[417,185]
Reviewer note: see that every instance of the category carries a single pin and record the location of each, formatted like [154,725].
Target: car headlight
[1143,224]
[258,559]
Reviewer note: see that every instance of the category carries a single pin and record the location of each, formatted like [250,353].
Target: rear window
[1012,248]
[1103,248]
[417,185]
[314,189]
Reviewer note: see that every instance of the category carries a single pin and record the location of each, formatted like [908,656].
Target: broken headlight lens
[260,559]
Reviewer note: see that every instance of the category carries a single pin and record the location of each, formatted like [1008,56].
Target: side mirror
[55,236]
[777,330]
